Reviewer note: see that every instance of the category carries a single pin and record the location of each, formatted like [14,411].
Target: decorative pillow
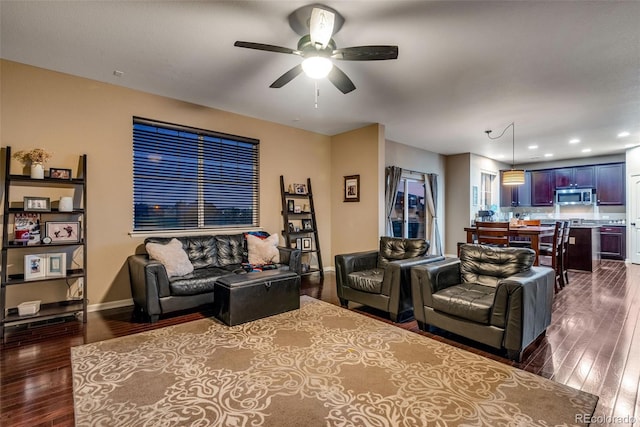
[263,251]
[172,256]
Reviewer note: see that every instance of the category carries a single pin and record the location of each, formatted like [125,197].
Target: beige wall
[457,200]
[356,226]
[70,115]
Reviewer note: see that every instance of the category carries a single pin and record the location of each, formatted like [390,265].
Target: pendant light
[513,176]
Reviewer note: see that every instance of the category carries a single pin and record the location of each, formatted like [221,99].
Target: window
[487,183]
[408,215]
[186,178]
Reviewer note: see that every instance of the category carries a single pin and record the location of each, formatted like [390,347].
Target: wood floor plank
[593,344]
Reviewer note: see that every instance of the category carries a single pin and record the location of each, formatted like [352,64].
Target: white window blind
[186,178]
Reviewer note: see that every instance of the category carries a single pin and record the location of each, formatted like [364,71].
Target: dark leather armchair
[381,279]
[491,295]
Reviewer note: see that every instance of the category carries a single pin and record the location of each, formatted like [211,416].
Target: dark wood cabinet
[610,184]
[584,248]
[613,242]
[542,187]
[576,177]
[516,195]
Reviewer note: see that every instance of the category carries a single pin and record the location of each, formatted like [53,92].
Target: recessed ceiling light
[532,147]
[548,155]
[586,150]
[574,141]
[623,134]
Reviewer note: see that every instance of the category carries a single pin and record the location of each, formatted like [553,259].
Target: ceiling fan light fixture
[317,67]
[321,26]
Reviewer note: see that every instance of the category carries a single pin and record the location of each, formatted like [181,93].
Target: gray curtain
[431,209]
[391,180]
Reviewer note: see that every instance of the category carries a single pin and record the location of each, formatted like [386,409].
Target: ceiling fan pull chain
[317,93]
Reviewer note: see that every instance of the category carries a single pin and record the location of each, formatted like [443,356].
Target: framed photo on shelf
[62,232]
[307,225]
[56,265]
[35,266]
[290,205]
[298,243]
[352,188]
[291,228]
[306,243]
[300,188]
[297,209]
[37,204]
[58,173]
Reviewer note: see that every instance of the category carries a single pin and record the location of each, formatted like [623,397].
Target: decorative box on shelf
[28,308]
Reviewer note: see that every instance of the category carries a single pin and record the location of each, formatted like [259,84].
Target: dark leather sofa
[381,279]
[491,295]
[213,257]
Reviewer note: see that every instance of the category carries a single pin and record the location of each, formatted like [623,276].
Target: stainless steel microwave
[575,196]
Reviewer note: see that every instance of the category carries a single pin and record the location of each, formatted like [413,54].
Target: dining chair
[492,233]
[552,255]
[523,241]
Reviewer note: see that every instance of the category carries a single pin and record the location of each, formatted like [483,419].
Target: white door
[633,228]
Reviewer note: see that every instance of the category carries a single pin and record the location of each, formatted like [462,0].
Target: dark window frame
[192,179]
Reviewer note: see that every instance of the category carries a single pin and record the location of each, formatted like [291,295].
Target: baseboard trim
[329,269]
[109,305]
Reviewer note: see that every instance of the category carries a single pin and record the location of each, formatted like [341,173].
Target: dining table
[533,232]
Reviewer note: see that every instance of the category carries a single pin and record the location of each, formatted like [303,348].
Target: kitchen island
[584,247]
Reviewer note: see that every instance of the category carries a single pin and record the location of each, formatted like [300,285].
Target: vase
[37,171]
[66,204]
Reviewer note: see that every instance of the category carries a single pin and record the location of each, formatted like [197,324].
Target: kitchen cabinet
[613,242]
[516,195]
[542,187]
[576,177]
[610,184]
[584,248]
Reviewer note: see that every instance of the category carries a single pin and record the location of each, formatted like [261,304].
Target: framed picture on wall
[352,188]
[307,225]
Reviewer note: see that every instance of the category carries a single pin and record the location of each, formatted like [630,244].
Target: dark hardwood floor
[593,344]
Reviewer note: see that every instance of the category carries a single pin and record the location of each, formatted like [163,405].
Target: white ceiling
[559,69]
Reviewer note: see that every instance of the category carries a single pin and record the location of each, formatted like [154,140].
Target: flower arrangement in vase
[36,157]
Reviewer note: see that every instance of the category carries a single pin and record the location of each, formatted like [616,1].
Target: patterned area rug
[318,366]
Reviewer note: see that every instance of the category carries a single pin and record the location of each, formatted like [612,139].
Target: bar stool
[554,253]
[565,253]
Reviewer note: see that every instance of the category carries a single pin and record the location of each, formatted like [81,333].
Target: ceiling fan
[317,24]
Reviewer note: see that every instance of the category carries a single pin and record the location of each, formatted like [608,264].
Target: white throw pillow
[263,251]
[172,256]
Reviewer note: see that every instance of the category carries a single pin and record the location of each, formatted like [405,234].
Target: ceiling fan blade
[340,80]
[267,47]
[287,77]
[321,26]
[366,53]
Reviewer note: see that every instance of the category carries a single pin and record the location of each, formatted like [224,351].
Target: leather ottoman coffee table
[242,298]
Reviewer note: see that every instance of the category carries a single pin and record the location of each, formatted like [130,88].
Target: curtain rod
[418,172]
